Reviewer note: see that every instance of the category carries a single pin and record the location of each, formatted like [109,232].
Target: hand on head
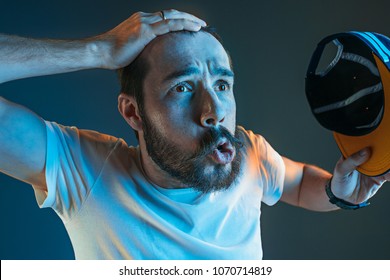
[122,44]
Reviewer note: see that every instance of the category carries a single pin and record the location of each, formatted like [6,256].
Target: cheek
[230,113]
[173,120]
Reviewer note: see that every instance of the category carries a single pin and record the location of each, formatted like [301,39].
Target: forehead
[181,50]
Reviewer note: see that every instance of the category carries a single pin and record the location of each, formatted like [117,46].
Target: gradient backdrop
[271,43]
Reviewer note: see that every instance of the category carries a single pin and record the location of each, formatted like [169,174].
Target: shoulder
[252,140]
[82,140]
[75,132]
[259,150]
[269,164]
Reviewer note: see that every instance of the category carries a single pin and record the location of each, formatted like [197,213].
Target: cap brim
[378,140]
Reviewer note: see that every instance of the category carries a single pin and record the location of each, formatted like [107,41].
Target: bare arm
[24,57]
[305,184]
[23,143]
[23,133]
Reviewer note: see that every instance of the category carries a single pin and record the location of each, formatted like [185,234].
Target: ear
[128,108]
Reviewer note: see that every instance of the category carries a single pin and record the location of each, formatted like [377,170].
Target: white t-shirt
[111,211]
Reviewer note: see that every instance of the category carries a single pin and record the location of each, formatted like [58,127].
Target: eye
[182,87]
[222,86]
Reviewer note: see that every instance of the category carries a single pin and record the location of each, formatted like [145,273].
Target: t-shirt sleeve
[274,170]
[74,160]
[271,168]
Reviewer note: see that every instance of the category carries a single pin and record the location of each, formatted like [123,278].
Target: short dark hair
[131,77]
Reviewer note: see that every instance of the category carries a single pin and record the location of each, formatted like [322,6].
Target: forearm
[304,186]
[312,193]
[24,57]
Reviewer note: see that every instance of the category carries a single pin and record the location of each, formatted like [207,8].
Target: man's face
[189,111]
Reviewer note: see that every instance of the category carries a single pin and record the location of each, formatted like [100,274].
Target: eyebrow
[222,71]
[182,73]
[219,71]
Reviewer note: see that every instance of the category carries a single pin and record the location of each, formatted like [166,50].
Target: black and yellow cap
[349,94]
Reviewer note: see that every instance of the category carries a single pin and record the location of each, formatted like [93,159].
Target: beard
[190,168]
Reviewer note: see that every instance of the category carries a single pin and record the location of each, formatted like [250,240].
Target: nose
[212,109]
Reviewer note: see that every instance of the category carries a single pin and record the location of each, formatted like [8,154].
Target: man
[194,186]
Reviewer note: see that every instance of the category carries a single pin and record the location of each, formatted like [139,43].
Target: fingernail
[363,153]
[198,27]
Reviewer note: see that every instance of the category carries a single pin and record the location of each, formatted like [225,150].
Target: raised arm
[23,133]
[24,57]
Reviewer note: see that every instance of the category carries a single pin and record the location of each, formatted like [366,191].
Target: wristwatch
[340,202]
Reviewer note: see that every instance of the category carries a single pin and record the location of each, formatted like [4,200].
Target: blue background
[271,43]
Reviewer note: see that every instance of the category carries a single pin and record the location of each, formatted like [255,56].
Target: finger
[174,14]
[166,26]
[171,14]
[348,165]
[386,176]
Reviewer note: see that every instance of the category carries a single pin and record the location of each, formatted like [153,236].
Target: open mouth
[223,152]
